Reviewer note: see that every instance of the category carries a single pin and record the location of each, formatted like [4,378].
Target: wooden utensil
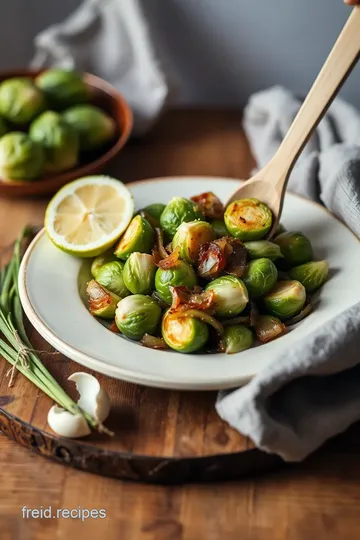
[269,184]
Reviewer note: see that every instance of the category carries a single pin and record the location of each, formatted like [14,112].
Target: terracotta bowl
[107,98]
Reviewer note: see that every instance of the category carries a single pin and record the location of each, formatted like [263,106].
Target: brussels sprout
[236,338]
[137,315]
[3,127]
[139,273]
[263,248]
[59,140]
[184,334]
[180,274]
[219,227]
[261,276]
[20,157]
[139,236]
[94,127]
[20,100]
[312,274]
[102,303]
[231,296]
[295,247]
[280,229]
[190,236]
[155,210]
[100,260]
[248,219]
[286,299]
[177,211]
[110,275]
[62,88]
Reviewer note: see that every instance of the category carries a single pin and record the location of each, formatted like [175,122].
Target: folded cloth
[311,392]
[109,38]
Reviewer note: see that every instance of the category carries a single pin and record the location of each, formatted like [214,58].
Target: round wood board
[160,436]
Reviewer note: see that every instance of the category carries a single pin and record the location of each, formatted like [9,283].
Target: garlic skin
[93,400]
[66,424]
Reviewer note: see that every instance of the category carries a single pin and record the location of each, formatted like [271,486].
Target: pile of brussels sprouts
[47,125]
[193,276]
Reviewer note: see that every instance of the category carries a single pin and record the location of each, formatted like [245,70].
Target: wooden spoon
[269,184]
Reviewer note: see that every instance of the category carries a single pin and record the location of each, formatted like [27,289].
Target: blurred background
[219,51]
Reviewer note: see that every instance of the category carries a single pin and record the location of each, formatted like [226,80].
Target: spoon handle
[337,67]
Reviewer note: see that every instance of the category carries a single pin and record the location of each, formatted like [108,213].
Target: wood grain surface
[315,500]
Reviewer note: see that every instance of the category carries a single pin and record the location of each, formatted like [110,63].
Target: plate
[49,294]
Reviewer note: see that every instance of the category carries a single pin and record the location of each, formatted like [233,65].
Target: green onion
[15,345]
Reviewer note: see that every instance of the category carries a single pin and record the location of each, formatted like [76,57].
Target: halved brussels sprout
[261,276]
[139,273]
[236,338]
[137,315]
[20,157]
[189,238]
[286,299]
[110,276]
[231,296]
[248,219]
[312,274]
[219,227]
[93,126]
[139,236]
[62,88]
[20,100]
[102,303]
[180,274]
[59,140]
[263,248]
[155,210]
[100,260]
[176,212]
[3,127]
[184,334]
[295,247]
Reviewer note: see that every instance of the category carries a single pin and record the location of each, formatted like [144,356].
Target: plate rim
[119,372]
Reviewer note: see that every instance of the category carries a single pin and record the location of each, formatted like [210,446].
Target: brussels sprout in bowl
[46,182]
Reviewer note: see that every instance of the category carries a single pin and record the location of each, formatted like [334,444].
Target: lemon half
[87,216]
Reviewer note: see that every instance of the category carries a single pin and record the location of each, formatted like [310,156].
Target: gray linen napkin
[312,392]
[109,38]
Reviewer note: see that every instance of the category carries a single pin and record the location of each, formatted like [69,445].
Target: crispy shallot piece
[210,205]
[225,254]
[170,260]
[153,342]
[183,299]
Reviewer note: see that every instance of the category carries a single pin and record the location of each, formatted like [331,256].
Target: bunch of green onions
[15,345]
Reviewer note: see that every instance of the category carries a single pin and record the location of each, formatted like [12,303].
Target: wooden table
[318,499]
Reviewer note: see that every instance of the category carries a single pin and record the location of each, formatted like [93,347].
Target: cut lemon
[87,216]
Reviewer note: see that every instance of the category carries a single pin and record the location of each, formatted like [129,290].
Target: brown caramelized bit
[97,296]
[113,328]
[209,204]
[268,328]
[170,260]
[225,254]
[184,299]
[153,342]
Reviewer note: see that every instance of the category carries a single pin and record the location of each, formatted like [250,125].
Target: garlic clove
[66,424]
[93,398]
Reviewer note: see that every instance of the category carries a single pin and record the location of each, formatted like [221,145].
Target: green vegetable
[219,227]
[139,236]
[231,296]
[312,274]
[248,219]
[261,276]
[237,338]
[62,88]
[180,274]
[137,315]
[295,247]
[263,248]
[94,127]
[139,273]
[286,299]
[176,212]
[280,229]
[184,334]
[20,100]
[58,139]
[102,303]
[100,260]
[110,276]
[155,210]
[20,157]
[190,236]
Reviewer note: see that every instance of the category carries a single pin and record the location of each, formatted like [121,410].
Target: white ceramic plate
[49,294]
